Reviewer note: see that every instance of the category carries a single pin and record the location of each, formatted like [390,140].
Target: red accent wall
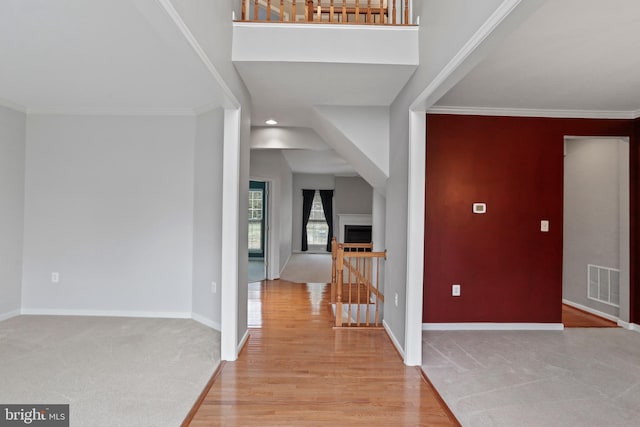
[508,270]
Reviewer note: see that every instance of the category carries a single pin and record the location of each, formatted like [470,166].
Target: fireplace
[357,233]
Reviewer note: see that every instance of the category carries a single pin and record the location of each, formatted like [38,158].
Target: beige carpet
[111,371]
[308,268]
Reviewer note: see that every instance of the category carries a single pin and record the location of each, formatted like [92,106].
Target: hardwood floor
[574,318]
[296,370]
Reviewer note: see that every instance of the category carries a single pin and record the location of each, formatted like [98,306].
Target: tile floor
[576,377]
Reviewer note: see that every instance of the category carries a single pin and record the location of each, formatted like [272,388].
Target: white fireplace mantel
[351,219]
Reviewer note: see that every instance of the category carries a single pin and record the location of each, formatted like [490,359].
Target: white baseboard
[207,322]
[477,326]
[9,315]
[243,341]
[394,340]
[285,265]
[105,313]
[630,326]
[590,310]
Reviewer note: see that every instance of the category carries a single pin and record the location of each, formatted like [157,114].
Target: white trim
[206,108]
[105,313]
[473,326]
[393,339]
[243,341]
[529,112]
[111,111]
[186,32]
[12,105]
[590,310]
[630,326]
[9,315]
[207,322]
[230,233]
[333,27]
[415,238]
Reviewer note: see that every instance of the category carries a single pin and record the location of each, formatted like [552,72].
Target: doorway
[257,230]
[595,272]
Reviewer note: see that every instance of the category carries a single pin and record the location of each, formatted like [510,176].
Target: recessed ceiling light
[271,122]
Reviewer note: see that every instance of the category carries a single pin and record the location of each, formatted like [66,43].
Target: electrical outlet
[455,290]
[396,299]
[55,277]
[214,287]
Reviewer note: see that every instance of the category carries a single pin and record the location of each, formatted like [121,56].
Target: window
[255,220]
[317,228]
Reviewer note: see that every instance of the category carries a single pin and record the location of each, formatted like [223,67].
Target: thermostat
[479,208]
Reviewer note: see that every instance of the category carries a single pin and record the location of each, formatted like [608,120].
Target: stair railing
[355,284]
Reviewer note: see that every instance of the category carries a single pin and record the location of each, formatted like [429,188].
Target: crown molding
[12,105]
[532,112]
[206,108]
[101,111]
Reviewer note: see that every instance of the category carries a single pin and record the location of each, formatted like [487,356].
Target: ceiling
[287,91]
[84,56]
[579,55]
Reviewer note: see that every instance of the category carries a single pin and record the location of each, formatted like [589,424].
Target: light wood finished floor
[296,370]
[574,318]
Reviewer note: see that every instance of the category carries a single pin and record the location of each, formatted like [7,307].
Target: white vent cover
[603,284]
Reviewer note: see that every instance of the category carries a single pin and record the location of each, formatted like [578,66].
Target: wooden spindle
[281,10]
[244,10]
[319,10]
[368,11]
[255,10]
[406,12]
[268,10]
[381,12]
[344,11]
[331,11]
[394,13]
[357,11]
[293,11]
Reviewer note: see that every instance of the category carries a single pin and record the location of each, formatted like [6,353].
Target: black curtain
[327,208]
[307,203]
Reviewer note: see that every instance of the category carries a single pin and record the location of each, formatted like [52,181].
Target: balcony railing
[379,12]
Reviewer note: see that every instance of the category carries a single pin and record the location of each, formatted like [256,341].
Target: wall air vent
[603,284]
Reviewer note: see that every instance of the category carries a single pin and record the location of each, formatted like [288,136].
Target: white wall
[306,182]
[210,23]
[270,165]
[109,205]
[207,217]
[12,163]
[378,221]
[352,195]
[366,127]
[591,230]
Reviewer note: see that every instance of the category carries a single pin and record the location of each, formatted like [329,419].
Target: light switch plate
[455,290]
[544,226]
